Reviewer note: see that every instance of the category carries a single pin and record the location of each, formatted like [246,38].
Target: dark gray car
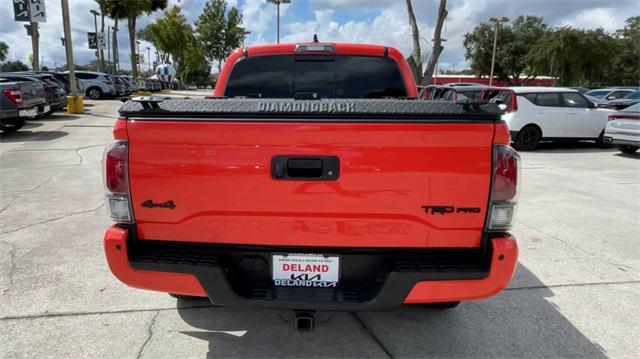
[55,94]
[19,101]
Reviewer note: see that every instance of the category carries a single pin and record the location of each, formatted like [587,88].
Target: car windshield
[633,96]
[330,76]
[598,93]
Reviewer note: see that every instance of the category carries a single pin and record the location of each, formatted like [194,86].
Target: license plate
[47,108]
[305,270]
[32,112]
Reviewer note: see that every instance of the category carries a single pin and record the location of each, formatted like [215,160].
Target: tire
[628,149]
[441,306]
[94,93]
[528,138]
[11,127]
[186,297]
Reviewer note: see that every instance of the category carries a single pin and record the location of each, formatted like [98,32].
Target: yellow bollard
[75,104]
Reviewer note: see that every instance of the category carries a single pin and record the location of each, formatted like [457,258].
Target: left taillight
[116,181]
[504,188]
[14,95]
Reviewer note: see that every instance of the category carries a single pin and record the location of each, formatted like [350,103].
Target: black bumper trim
[376,279]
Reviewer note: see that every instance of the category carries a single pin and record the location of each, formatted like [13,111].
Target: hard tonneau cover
[277,110]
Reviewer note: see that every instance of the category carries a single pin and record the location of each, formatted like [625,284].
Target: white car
[623,129]
[551,113]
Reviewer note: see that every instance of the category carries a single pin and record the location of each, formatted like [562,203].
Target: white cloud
[351,4]
[332,20]
[390,27]
[605,18]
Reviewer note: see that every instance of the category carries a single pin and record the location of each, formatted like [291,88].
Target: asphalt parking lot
[576,291]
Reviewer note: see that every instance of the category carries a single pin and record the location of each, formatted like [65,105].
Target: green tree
[12,66]
[218,31]
[4,50]
[575,56]
[173,36]
[514,45]
[625,64]
[131,10]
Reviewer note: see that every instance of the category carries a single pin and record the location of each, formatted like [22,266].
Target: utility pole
[497,20]
[278,2]
[32,30]
[95,23]
[69,49]
[245,32]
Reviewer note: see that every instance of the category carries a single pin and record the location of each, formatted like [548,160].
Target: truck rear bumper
[371,279]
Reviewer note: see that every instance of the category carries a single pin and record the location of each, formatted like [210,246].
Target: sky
[365,21]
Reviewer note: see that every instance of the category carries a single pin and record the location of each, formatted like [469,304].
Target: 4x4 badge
[150,204]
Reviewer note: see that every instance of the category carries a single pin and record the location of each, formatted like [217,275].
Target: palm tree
[131,10]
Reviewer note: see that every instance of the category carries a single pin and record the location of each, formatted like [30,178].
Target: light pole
[149,57]
[109,64]
[278,2]
[95,23]
[138,55]
[497,20]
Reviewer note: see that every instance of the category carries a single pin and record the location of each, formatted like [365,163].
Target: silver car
[97,85]
[623,129]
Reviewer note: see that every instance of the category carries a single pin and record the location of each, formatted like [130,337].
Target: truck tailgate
[218,177]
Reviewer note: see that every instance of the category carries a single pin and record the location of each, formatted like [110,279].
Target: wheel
[11,127]
[628,148]
[528,138]
[94,93]
[186,297]
[442,306]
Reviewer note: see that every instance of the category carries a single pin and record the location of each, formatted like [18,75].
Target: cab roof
[530,89]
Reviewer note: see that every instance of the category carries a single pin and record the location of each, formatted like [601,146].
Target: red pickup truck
[314,179]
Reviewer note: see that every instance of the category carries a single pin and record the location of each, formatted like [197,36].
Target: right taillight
[14,95]
[116,181]
[514,103]
[504,188]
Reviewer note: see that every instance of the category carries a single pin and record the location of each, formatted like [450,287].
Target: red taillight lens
[115,168]
[514,103]
[14,95]
[108,82]
[504,188]
[116,180]
[505,174]
[612,117]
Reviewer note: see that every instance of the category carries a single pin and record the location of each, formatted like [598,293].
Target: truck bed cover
[325,110]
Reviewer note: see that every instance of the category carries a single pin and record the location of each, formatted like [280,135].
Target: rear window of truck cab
[329,76]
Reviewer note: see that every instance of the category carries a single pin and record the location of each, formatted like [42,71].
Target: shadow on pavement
[22,135]
[60,116]
[572,147]
[519,322]
[635,156]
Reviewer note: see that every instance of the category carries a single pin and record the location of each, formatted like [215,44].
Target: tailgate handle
[311,168]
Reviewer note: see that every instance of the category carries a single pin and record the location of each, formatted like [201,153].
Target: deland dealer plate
[305,270]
